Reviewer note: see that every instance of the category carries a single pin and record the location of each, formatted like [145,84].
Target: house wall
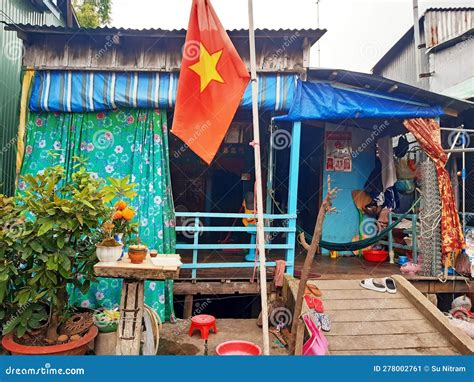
[18,11]
[403,66]
[161,51]
[341,226]
[454,70]
[451,70]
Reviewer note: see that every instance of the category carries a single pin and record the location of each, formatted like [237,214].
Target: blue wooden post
[195,250]
[293,195]
[270,173]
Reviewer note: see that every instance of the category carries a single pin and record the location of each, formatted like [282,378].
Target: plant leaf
[45,227]
[36,246]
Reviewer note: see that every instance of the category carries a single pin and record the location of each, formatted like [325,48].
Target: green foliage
[48,237]
[93,13]
[119,189]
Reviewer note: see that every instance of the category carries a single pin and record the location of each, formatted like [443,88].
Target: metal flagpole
[258,184]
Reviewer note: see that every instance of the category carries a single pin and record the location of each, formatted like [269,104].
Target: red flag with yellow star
[211,83]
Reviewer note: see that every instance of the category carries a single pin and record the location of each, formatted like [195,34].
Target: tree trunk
[56,316]
[311,251]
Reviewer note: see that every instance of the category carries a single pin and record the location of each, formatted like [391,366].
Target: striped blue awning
[82,91]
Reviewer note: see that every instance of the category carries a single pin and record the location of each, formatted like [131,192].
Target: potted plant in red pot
[48,239]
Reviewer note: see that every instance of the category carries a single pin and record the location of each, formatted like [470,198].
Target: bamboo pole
[311,251]
[258,184]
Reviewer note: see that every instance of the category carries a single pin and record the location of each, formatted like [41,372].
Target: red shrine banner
[211,83]
[425,131]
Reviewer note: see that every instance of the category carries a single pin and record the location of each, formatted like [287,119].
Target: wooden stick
[258,184]
[326,206]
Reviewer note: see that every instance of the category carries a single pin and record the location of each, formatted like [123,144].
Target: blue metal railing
[194,228]
[413,231]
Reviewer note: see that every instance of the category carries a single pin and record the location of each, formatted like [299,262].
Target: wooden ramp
[368,322]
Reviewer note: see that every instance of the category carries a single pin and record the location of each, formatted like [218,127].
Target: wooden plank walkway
[368,322]
[323,268]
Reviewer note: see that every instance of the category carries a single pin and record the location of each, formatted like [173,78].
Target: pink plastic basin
[238,348]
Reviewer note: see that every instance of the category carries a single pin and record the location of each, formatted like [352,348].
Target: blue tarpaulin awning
[327,102]
[83,91]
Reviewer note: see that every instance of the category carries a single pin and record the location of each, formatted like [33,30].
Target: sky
[359,32]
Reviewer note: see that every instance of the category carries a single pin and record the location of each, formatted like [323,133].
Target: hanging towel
[279,272]
[385,150]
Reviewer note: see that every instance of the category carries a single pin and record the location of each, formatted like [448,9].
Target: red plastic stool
[204,323]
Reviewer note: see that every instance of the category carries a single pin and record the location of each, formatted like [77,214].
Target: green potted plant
[51,239]
[11,275]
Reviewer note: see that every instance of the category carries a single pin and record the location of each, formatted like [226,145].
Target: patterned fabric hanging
[427,132]
[114,143]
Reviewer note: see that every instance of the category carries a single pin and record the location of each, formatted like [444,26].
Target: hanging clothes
[114,144]
[385,151]
[425,131]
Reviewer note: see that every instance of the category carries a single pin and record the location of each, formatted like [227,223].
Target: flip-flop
[312,289]
[309,301]
[318,305]
[314,303]
[373,284]
[390,285]
[322,320]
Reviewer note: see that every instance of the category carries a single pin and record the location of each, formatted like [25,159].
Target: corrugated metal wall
[403,67]
[452,66]
[13,11]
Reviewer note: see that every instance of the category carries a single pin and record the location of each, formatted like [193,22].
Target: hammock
[360,244]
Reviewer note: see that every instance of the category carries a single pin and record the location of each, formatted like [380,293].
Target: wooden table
[129,330]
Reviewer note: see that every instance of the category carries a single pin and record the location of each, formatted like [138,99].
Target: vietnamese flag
[211,83]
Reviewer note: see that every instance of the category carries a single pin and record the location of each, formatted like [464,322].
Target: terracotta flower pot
[137,253]
[78,347]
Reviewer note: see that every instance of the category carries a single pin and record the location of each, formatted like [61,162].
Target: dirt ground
[175,339]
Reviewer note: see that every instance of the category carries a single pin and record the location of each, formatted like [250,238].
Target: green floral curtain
[115,143]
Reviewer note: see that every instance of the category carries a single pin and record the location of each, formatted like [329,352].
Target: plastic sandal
[312,289]
[309,301]
[390,285]
[318,305]
[322,321]
[373,284]
[314,303]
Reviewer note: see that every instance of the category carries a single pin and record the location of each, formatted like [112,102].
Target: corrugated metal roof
[442,25]
[312,34]
[440,9]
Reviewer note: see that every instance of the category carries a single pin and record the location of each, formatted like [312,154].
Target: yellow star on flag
[206,67]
